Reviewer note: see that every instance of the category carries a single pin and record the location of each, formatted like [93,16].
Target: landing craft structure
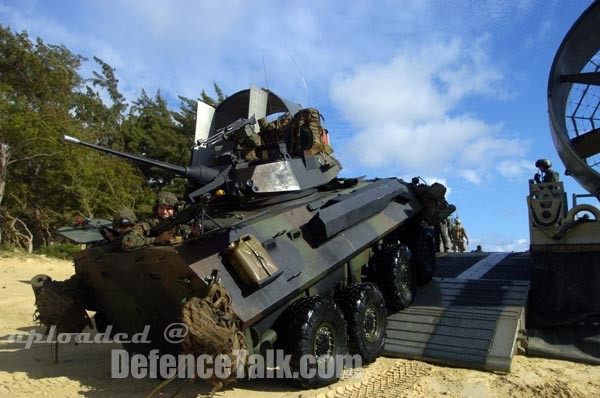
[565,241]
[289,255]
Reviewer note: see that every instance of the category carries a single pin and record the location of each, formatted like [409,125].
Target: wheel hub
[404,275]
[371,324]
[324,341]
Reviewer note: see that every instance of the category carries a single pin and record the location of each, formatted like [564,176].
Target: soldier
[478,250]
[165,207]
[272,132]
[122,223]
[134,235]
[445,246]
[458,236]
[546,174]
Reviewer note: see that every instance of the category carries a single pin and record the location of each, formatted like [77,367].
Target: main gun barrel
[198,174]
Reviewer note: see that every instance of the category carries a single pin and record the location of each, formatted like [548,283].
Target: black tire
[314,326]
[424,256]
[363,307]
[395,276]
[101,322]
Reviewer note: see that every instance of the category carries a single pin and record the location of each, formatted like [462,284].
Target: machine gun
[225,133]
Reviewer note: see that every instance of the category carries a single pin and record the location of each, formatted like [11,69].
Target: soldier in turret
[165,207]
[546,173]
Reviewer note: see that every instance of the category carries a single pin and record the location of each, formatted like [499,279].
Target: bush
[65,251]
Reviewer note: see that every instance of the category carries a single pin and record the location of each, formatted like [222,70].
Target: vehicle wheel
[101,322]
[424,256]
[394,275]
[363,307]
[314,326]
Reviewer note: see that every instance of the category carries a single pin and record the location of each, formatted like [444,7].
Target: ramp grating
[458,322]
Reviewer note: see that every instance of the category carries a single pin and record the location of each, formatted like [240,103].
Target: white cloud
[406,115]
[494,244]
[473,176]
[515,169]
[402,97]
[184,46]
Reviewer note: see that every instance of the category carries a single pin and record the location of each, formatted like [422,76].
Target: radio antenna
[265,69]
[266,81]
[301,76]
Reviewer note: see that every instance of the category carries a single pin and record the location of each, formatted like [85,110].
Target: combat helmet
[166,199]
[457,221]
[124,218]
[543,163]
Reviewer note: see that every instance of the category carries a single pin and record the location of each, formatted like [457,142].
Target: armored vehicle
[289,255]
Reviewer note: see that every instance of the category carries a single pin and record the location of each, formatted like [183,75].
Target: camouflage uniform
[183,231]
[165,198]
[458,237]
[445,244]
[272,132]
[133,235]
[137,238]
[549,175]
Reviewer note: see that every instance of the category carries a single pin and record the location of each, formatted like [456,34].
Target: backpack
[307,122]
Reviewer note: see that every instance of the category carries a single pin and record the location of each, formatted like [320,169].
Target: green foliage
[64,251]
[44,181]
[186,117]
[36,86]
[207,99]
[220,96]
[151,131]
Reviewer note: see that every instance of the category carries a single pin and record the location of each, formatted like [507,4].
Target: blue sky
[449,90]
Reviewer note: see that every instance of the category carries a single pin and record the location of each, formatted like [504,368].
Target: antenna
[301,76]
[266,81]
[265,69]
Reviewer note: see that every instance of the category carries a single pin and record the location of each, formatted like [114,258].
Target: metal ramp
[471,323]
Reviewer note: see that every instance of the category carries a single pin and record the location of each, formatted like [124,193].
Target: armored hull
[319,243]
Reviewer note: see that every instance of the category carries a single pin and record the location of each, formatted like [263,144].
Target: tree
[207,99]
[186,117]
[220,96]
[152,131]
[105,120]
[36,84]
[43,181]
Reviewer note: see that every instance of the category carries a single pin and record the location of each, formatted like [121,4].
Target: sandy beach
[85,369]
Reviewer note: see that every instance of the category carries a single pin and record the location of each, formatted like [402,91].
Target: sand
[84,369]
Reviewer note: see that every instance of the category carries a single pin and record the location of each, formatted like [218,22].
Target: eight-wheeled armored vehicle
[289,255]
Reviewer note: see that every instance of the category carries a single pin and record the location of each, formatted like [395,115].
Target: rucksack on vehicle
[308,120]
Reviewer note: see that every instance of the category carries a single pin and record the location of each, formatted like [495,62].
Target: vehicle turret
[252,155]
